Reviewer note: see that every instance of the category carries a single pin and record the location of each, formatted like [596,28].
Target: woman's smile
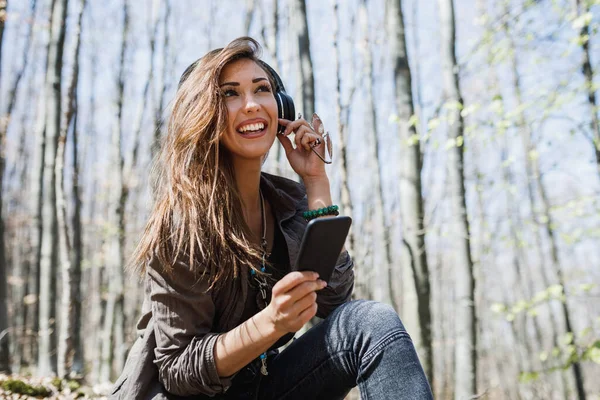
[253,128]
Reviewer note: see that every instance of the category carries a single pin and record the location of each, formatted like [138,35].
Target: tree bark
[113,345]
[411,202]
[346,200]
[582,7]
[381,290]
[49,242]
[465,318]
[158,112]
[3,8]
[4,124]
[70,253]
[4,336]
[307,82]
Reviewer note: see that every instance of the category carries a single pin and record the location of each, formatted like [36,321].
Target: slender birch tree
[306,79]
[69,343]
[342,123]
[582,10]
[113,345]
[4,343]
[49,243]
[465,355]
[411,202]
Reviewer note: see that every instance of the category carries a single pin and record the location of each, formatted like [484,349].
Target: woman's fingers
[293,279]
[309,313]
[294,300]
[302,290]
[285,141]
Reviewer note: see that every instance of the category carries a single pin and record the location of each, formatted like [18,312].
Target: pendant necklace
[260,280]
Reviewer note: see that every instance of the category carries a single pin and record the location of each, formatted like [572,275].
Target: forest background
[466,148]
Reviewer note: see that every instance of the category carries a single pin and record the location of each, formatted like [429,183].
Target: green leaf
[433,123]
[413,120]
[582,21]
[526,377]
[555,290]
[593,354]
[568,338]
[498,308]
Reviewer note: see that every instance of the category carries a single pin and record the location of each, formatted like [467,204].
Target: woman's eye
[229,92]
[264,88]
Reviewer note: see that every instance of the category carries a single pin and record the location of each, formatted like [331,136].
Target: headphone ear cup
[285,108]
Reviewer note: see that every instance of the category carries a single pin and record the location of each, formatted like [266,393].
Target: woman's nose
[251,104]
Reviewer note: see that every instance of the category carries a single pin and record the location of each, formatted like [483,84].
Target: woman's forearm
[318,192]
[238,347]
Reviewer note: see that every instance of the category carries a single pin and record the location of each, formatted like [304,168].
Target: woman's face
[251,109]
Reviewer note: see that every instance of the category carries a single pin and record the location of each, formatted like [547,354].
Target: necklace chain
[262,283]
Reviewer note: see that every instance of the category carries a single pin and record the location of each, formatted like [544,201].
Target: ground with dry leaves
[21,387]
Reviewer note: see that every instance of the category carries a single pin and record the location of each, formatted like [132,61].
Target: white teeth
[252,127]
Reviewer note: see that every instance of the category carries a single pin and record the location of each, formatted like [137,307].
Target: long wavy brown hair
[197,213]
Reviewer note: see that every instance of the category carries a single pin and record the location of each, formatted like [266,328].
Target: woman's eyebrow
[238,84]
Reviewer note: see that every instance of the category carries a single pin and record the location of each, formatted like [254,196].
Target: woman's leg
[361,343]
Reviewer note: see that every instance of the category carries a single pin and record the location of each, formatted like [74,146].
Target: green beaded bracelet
[312,214]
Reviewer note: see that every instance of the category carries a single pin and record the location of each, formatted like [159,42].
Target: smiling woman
[251,109]
[221,296]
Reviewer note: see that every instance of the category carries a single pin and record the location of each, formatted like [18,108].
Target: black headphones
[285,103]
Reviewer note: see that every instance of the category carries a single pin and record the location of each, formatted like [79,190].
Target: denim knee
[359,324]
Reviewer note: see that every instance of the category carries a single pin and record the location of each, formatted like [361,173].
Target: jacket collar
[284,195]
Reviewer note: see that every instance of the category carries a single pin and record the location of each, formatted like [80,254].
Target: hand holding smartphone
[322,244]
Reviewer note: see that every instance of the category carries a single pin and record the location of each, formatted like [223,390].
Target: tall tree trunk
[96,305]
[70,327]
[548,225]
[307,83]
[158,112]
[4,124]
[49,242]
[113,351]
[582,7]
[465,357]
[3,8]
[346,200]
[249,16]
[411,202]
[381,290]
[4,333]
[4,336]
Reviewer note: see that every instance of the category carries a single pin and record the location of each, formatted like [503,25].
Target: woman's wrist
[318,191]
[266,325]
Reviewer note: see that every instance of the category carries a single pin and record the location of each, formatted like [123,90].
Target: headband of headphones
[285,103]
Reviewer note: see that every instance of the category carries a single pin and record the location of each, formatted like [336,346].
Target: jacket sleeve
[339,288]
[183,314]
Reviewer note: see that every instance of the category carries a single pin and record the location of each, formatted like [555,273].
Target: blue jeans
[361,343]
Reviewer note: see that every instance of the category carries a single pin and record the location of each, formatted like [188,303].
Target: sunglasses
[325,152]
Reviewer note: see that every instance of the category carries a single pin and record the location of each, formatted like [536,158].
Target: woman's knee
[367,316]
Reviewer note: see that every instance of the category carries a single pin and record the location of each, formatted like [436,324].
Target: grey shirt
[181,321]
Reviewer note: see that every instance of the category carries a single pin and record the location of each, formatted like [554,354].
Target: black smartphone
[322,244]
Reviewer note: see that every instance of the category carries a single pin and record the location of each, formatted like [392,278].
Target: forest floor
[23,387]
[15,387]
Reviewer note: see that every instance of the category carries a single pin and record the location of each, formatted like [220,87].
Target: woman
[217,250]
